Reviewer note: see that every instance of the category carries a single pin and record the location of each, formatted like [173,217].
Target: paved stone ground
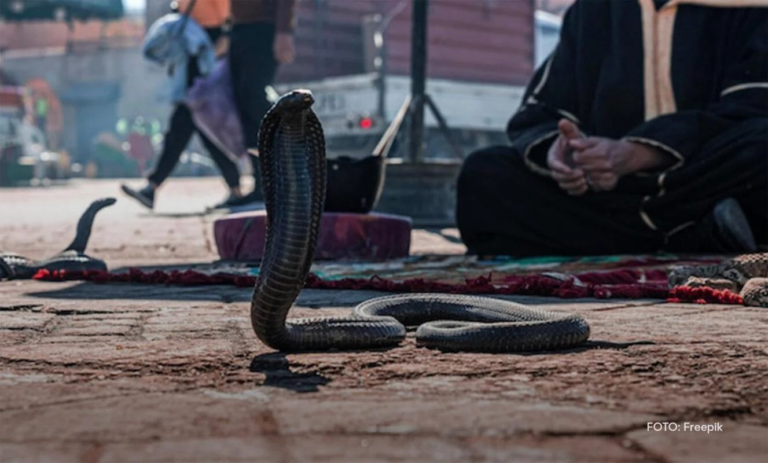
[119,373]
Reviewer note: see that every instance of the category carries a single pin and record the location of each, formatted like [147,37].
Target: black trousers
[503,208]
[253,67]
[180,131]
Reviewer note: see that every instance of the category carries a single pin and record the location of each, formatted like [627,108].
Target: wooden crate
[470,40]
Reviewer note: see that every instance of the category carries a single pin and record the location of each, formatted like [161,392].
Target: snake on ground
[292,161]
[72,259]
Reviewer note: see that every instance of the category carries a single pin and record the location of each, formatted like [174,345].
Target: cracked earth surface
[122,373]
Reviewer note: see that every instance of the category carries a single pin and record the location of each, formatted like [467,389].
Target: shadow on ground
[446,236]
[176,215]
[203,213]
[309,298]
[278,374]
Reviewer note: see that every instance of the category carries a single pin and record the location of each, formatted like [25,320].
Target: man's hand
[569,178]
[284,48]
[605,160]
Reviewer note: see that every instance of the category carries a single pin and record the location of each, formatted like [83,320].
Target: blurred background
[77,99]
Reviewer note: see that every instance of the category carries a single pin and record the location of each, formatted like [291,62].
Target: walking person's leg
[253,69]
[176,139]
[227,166]
[182,127]
[229,171]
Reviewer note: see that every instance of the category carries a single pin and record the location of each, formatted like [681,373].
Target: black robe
[689,77]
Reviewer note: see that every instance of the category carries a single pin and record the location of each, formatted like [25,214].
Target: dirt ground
[132,373]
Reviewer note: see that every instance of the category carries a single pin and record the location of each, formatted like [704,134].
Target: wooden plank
[472,17]
[510,45]
[520,27]
[403,65]
[485,40]
[466,74]
[463,56]
[473,74]
[493,5]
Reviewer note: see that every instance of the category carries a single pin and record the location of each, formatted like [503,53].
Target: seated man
[646,130]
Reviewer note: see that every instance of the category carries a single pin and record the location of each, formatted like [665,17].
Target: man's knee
[485,176]
[482,164]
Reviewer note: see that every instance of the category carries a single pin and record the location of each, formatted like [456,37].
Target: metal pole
[381,74]
[444,127]
[418,78]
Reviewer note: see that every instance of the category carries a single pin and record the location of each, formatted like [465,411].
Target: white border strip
[737,88]
[720,3]
[527,154]
[656,144]
[544,76]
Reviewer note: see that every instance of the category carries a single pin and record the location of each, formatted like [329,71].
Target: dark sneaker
[732,231]
[724,230]
[146,196]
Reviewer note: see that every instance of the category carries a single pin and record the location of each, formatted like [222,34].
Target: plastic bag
[212,103]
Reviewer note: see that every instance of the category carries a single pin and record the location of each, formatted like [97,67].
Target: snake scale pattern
[292,157]
[73,258]
[746,275]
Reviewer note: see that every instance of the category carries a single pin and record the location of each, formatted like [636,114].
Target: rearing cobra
[292,159]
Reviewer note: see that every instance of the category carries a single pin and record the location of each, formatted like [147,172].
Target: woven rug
[623,277]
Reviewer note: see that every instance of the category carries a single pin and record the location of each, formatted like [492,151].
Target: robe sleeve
[285,20]
[549,97]
[742,96]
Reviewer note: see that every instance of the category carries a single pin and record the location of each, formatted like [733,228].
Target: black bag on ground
[354,185]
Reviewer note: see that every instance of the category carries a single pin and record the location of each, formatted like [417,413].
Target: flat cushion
[342,236]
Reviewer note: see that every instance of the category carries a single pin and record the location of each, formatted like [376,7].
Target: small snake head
[295,101]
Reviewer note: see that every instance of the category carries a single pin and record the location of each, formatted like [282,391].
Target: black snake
[73,258]
[292,157]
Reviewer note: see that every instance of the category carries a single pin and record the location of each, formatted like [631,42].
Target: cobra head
[294,102]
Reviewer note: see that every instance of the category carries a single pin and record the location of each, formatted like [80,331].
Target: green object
[15,174]
[155,127]
[140,126]
[122,127]
[41,107]
[113,162]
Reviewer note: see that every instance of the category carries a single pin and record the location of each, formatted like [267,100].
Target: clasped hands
[581,163]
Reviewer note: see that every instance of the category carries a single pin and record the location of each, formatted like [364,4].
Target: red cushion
[342,236]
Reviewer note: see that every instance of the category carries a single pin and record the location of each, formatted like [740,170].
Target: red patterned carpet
[619,277]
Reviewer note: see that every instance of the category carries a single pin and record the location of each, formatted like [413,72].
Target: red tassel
[703,295]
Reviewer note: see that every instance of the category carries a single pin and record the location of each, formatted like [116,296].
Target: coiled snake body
[746,275]
[292,157]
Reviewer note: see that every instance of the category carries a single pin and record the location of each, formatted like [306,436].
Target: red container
[356,237]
